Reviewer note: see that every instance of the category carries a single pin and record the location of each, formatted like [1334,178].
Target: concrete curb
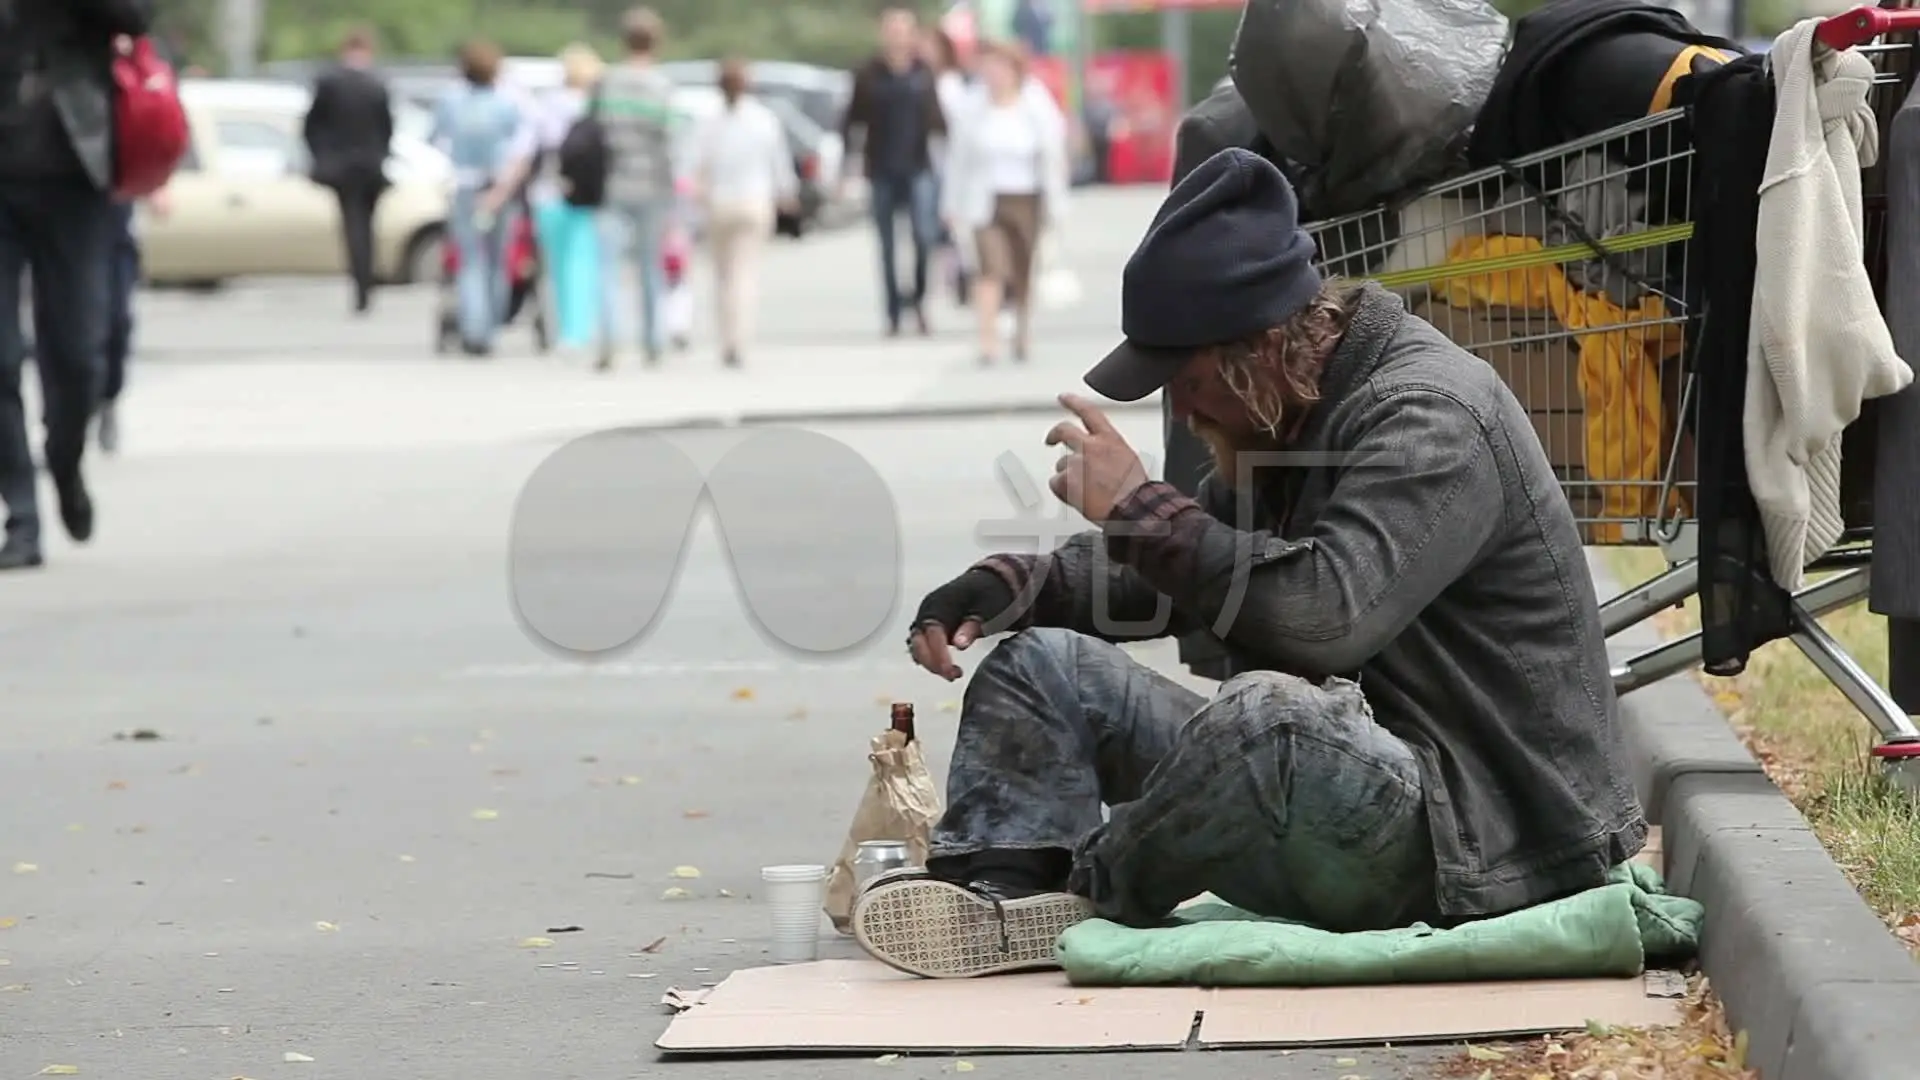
[1800,961]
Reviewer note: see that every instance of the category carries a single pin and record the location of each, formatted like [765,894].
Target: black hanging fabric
[1741,607]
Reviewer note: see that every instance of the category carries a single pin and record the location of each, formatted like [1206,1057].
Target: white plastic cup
[794,895]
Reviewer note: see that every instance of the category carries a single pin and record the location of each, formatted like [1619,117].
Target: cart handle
[1863,24]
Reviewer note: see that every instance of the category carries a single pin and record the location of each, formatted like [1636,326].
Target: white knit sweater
[1817,347]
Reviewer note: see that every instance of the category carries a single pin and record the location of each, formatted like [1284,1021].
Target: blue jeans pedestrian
[634,234]
[62,231]
[918,196]
[481,287]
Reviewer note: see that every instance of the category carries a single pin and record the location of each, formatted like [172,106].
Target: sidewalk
[349,404]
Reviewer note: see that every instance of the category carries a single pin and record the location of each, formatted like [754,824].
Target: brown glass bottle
[903,718]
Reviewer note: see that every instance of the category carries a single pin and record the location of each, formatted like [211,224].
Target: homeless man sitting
[1423,723]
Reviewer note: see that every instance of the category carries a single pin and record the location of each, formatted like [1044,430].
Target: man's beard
[1226,449]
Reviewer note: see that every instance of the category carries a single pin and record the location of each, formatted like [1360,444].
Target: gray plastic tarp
[1371,97]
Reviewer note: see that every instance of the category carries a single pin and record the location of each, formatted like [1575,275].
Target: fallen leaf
[408,858]
[694,814]
[485,815]
[61,1070]
[1485,1053]
[963,1066]
[116,785]
[25,868]
[536,943]
[14,988]
[686,872]
[745,693]
[76,827]
[728,893]
[676,893]
[291,1056]
[886,1059]
[9,923]
[325,927]
[629,781]
[1345,1062]
[4,962]
[654,946]
[1598,1030]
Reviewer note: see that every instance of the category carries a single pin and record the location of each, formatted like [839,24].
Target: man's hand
[160,203]
[951,617]
[1099,469]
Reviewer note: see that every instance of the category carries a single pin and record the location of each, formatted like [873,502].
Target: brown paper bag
[900,803]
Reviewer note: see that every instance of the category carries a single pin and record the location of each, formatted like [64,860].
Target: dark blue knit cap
[1224,259]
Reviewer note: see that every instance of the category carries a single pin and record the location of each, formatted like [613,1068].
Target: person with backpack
[57,175]
[568,242]
[490,138]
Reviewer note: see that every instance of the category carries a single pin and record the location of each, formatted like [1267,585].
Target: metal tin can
[876,857]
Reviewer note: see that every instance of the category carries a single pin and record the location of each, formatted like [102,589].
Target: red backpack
[149,123]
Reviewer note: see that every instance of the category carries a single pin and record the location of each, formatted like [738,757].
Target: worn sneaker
[936,929]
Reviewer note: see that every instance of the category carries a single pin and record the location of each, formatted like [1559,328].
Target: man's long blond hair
[1276,373]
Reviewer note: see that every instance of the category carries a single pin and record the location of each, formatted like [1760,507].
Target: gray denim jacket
[1425,550]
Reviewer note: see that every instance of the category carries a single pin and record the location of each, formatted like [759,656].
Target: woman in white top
[1006,179]
[570,248]
[743,173]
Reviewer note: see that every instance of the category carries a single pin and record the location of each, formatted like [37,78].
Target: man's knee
[1259,700]
[1036,648]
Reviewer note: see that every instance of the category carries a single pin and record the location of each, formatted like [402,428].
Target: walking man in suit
[349,128]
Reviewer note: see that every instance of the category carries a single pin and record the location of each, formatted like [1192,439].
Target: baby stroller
[526,294]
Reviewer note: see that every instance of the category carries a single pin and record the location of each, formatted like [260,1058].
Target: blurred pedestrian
[349,133]
[638,114]
[569,243]
[125,284]
[743,170]
[490,138]
[56,220]
[896,109]
[1006,177]
[952,84]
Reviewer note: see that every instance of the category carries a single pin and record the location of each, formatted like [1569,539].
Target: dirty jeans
[1279,796]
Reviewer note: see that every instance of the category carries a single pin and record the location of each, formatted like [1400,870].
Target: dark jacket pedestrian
[895,114]
[57,220]
[349,133]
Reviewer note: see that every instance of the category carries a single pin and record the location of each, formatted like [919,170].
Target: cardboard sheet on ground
[861,1006]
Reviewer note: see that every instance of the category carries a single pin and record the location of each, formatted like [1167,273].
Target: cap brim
[1133,371]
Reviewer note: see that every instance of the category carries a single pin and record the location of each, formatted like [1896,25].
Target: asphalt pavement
[284,774]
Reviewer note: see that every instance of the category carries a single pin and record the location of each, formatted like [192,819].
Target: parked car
[814,156]
[821,93]
[243,203]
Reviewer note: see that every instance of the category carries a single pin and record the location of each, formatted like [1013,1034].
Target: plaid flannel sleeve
[1079,586]
[1156,530]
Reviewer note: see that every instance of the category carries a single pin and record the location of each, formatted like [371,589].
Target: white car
[242,202]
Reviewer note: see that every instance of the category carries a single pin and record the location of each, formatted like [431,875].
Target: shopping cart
[1568,272]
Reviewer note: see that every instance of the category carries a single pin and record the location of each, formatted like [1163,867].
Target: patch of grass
[1814,744]
[1700,1048]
